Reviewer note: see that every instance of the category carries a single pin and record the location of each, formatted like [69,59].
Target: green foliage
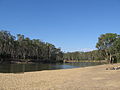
[109,45]
[105,41]
[27,49]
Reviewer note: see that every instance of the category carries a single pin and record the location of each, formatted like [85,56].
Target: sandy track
[87,78]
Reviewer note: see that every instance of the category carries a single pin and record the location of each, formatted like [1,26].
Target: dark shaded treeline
[23,49]
[108,48]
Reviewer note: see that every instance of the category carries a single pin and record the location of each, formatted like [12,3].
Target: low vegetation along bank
[68,61]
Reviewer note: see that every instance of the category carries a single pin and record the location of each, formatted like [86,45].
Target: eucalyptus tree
[116,45]
[116,48]
[58,54]
[26,49]
[105,43]
[6,44]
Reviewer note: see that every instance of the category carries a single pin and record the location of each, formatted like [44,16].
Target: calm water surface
[19,68]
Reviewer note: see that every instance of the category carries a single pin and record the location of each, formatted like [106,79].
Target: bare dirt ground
[87,78]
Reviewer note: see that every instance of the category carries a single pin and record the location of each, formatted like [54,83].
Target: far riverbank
[69,61]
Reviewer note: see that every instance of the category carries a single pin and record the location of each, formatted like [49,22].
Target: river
[21,68]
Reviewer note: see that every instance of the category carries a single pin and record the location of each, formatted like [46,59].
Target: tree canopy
[25,49]
[107,44]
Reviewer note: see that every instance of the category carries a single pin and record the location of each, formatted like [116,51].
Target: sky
[72,25]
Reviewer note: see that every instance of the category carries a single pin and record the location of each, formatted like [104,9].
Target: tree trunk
[107,56]
[110,59]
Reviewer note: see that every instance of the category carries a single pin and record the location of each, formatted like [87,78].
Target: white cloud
[79,49]
[86,49]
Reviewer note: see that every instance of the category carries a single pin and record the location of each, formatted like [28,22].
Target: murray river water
[21,68]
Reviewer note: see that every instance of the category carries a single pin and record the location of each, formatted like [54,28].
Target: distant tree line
[91,55]
[24,49]
[108,48]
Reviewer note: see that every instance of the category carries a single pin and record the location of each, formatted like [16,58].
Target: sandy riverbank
[87,78]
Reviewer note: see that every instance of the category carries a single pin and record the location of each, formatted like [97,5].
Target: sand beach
[86,78]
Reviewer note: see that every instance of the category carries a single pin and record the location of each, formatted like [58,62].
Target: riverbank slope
[86,78]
